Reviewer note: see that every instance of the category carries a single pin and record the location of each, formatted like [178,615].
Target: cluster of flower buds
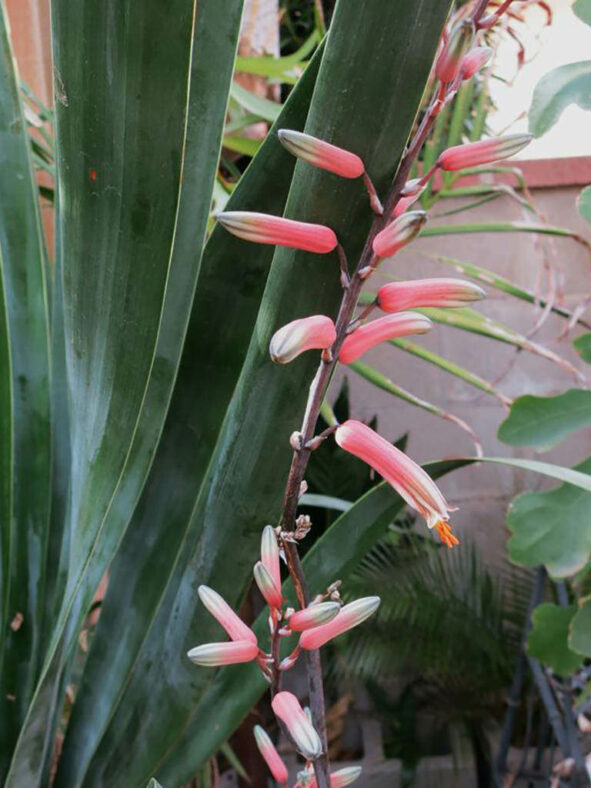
[321,621]
[318,332]
[299,727]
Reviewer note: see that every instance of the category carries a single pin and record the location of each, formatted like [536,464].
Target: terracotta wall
[483,491]
[29,22]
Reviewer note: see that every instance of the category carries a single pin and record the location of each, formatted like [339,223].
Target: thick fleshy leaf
[555,91]
[214,352]
[579,638]
[334,555]
[241,491]
[552,528]
[130,238]
[543,422]
[25,434]
[548,638]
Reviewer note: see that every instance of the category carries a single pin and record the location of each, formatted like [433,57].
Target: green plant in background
[448,631]
[140,415]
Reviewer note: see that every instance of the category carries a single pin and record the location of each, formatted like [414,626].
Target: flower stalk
[319,620]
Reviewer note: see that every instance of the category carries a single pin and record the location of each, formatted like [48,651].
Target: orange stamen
[445,534]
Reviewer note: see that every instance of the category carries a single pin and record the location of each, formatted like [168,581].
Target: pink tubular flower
[322,154]
[270,554]
[307,333]
[222,611]
[472,154]
[263,228]
[287,708]
[399,233]
[408,479]
[341,778]
[272,758]
[213,654]
[450,58]
[474,61]
[266,585]
[380,330]
[403,204]
[442,293]
[313,616]
[350,616]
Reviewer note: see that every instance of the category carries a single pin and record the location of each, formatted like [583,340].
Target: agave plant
[144,426]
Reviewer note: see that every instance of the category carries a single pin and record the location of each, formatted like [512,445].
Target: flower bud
[270,554]
[313,616]
[404,204]
[450,58]
[272,758]
[213,654]
[399,233]
[222,611]
[371,334]
[286,707]
[473,154]
[474,61]
[267,587]
[322,154]
[350,616]
[341,778]
[264,228]
[409,480]
[441,293]
[308,333]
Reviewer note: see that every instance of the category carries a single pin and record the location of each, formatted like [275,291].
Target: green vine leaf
[552,528]
[582,345]
[548,639]
[543,422]
[579,638]
[556,90]
[582,9]
[584,203]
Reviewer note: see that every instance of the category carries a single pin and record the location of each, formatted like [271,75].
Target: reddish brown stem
[316,395]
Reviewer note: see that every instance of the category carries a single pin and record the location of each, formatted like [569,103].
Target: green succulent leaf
[25,429]
[579,638]
[556,90]
[543,422]
[130,231]
[548,639]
